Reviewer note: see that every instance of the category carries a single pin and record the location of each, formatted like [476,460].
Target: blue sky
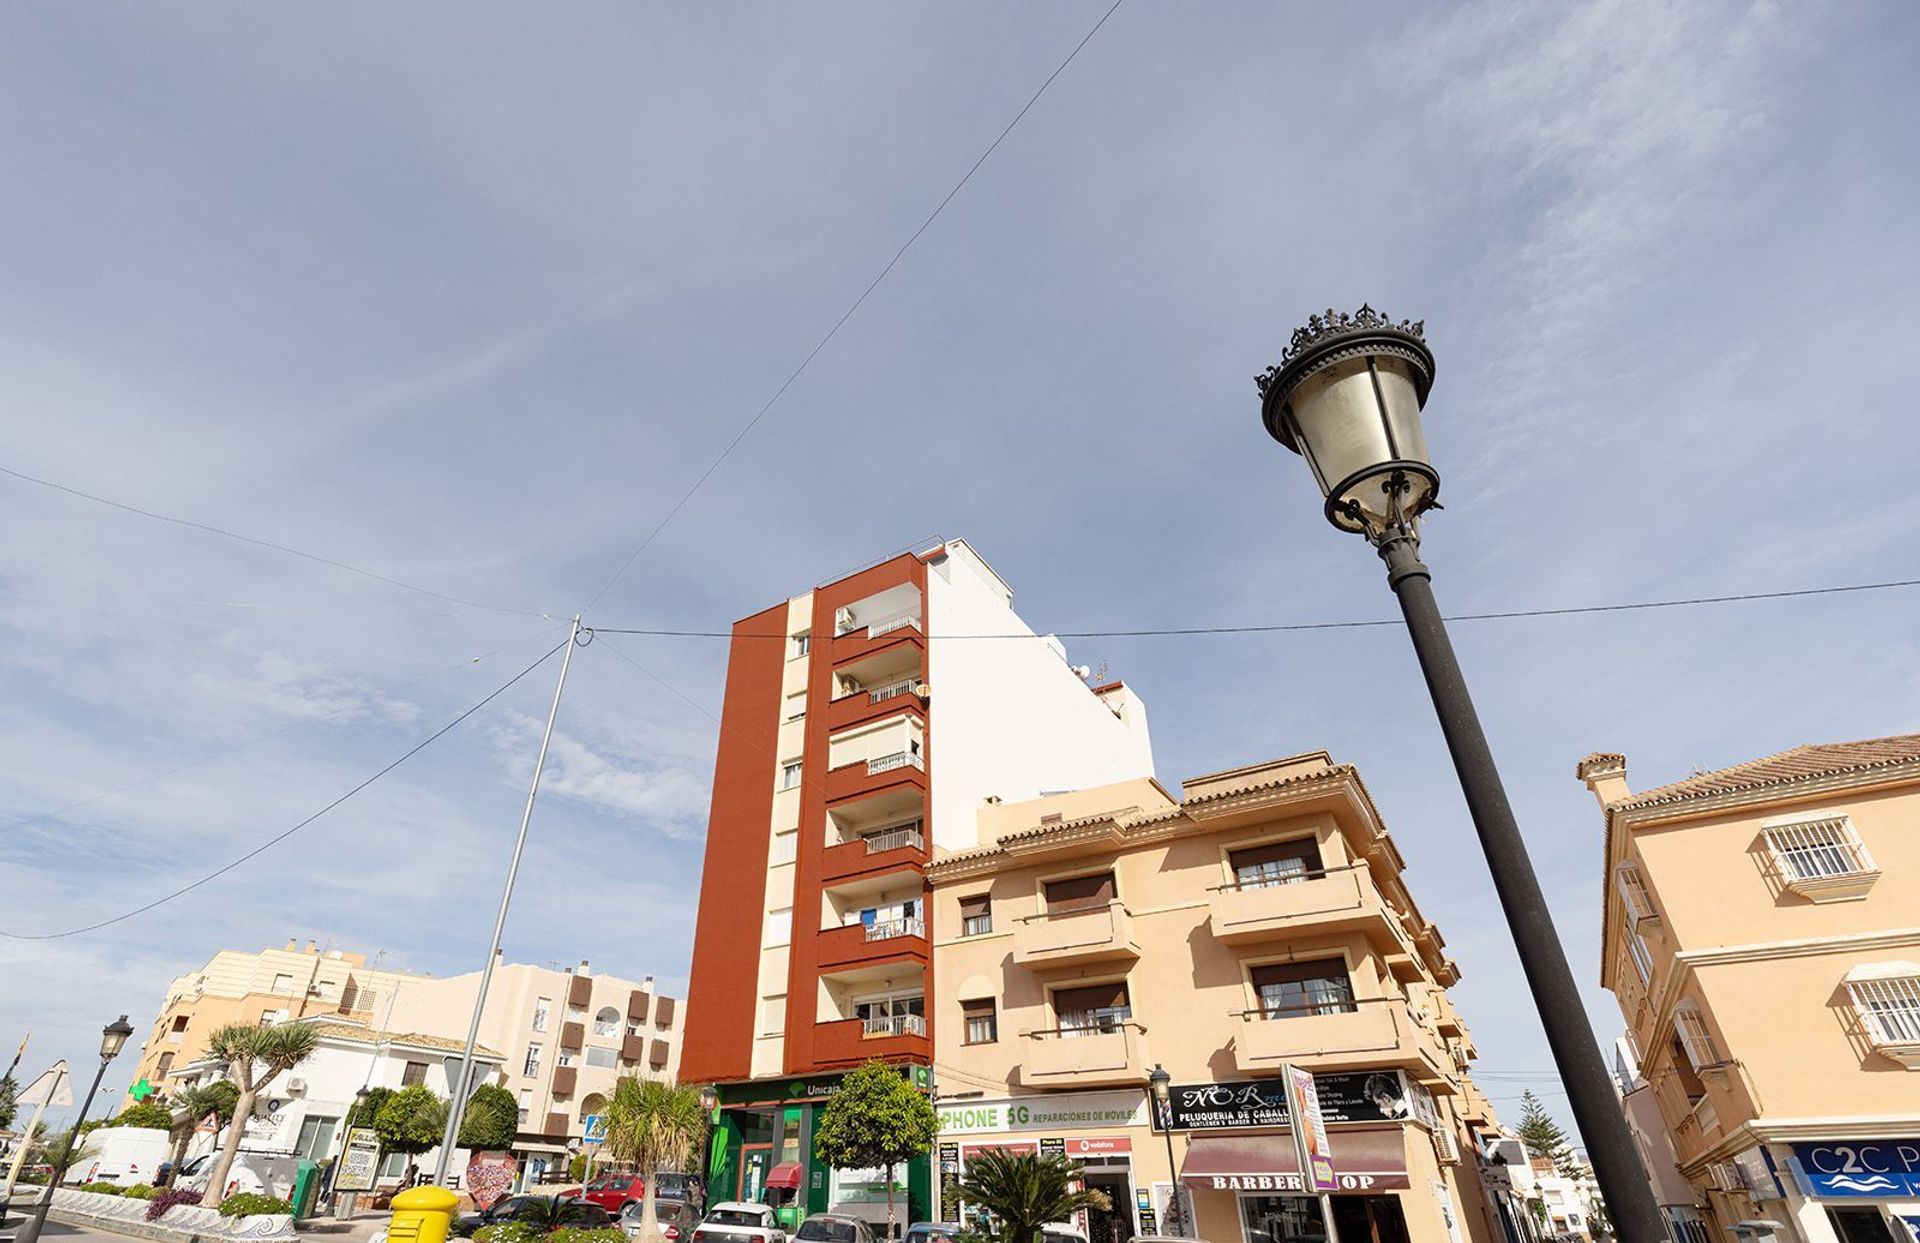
[468,295]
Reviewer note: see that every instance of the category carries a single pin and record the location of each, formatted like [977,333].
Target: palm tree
[549,1213]
[189,1107]
[1025,1192]
[255,1057]
[653,1125]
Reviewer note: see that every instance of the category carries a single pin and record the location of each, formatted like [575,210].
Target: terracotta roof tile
[1806,763]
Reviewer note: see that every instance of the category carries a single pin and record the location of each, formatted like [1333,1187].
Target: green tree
[1025,1192]
[367,1108]
[549,1213]
[147,1115]
[491,1121]
[412,1120]
[216,1098]
[876,1119]
[1543,1136]
[653,1125]
[255,1057]
[8,1105]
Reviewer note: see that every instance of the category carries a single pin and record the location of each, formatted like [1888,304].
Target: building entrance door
[1369,1219]
[755,1161]
[1116,1224]
[1860,1225]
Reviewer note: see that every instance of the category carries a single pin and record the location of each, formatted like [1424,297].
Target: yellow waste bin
[422,1215]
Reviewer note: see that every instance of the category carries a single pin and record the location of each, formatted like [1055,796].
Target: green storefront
[763,1152]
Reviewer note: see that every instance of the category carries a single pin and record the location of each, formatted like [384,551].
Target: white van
[122,1154]
[263,1173]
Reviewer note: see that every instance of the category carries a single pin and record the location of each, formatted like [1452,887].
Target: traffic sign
[596,1128]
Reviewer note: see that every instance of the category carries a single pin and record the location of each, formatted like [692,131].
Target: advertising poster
[359,1160]
[1309,1131]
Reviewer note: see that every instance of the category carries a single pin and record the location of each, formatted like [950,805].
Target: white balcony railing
[903,687]
[898,621]
[896,1025]
[899,759]
[887,929]
[906,836]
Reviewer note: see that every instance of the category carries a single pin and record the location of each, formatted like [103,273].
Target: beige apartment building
[1261,919]
[566,1036]
[1762,936]
[270,986]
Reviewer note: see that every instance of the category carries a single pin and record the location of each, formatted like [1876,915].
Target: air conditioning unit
[843,619]
[296,1083]
[1446,1146]
[849,685]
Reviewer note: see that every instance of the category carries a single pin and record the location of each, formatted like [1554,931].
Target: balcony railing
[899,621]
[887,929]
[906,836]
[903,687]
[895,1025]
[899,759]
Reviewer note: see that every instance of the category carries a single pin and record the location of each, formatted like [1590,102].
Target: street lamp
[1160,1084]
[113,1038]
[1346,396]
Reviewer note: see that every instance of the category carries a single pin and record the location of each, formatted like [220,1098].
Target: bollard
[422,1215]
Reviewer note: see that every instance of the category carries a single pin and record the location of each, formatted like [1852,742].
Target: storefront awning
[785,1175]
[1371,1160]
[537,1146]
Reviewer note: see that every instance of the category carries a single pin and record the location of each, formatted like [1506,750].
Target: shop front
[1863,1190]
[763,1153]
[1242,1177]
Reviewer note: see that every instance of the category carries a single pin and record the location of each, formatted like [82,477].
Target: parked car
[501,1210]
[677,1219]
[613,1192]
[735,1221]
[834,1228]
[1055,1232]
[933,1231]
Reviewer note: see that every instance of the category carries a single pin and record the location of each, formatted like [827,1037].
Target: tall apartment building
[1259,920]
[865,722]
[272,985]
[1762,936]
[565,1035]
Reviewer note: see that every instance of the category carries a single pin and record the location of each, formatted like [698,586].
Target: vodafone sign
[1100,1146]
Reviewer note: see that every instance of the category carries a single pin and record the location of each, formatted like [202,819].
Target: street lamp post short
[1347,396]
[1159,1085]
[113,1038]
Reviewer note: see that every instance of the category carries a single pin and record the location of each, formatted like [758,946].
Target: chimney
[583,967]
[293,944]
[1606,775]
[648,986]
[313,947]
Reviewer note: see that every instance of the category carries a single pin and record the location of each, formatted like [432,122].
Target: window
[606,1022]
[316,1138]
[1633,892]
[1276,863]
[801,645]
[1081,894]
[542,1010]
[983,1025]
[602,1056]
[796,705]
[779,929]
[786,848]
[790,774]
[163,1066]
[893,1016]
[1637,953]
[1694,1088]
[976,915]
[773,1014]
[180,1022]
[532,1066]
[1695,1041]
[1818,850]
[1890,1007]
[526,1104]
[283,983]
[1091,1010]
[1290,990]
[563,1058]
[416,1072]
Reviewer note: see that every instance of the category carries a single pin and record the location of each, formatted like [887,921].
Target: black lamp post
[1346,396]
[113,1038]
[1160,1084]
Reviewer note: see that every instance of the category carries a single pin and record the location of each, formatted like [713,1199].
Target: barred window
[1814,849]
[1638,953]
[1890,1007]
[1695,1039]
[1633,891]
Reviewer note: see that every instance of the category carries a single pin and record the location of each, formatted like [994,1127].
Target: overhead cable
[1569,611]
[848,313]
[283,835]
[263,543]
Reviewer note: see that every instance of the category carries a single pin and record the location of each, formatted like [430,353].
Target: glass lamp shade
[1160,1080]
[1347,398]
[113,1038]
[709,1099]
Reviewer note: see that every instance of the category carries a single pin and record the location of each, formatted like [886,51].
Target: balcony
[579,990]
[1326,900]
[856,945]
[1102,934]
[876,775]
[657,1055]
[1086,1058]
[872,703]
[851,1042]
[563,1080]
[1368,1032]
[900,629]
[555,1125]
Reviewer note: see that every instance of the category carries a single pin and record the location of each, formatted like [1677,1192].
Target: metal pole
[30,1233]
[1179,1222]
[1616,1162]
[458,1106]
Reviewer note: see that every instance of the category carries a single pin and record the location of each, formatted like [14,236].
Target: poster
[359,1160]
[1309,1132]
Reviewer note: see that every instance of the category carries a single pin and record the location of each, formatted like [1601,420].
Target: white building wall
[1009,718]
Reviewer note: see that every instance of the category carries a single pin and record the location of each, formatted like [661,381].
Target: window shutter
[1305,849]
[974,906]
[1082,893]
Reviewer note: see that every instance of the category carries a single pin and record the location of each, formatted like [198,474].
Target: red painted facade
[722,993]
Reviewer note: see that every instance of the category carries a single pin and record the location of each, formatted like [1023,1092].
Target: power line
[262,543]
[241,746]
[282,836]
[848,313]
[1686,602]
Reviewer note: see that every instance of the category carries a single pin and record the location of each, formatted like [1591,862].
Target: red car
[613,1192]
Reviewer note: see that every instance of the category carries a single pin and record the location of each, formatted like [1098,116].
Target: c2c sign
[1875,1169]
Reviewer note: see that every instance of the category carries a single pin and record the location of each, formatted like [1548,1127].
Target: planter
[181,1223]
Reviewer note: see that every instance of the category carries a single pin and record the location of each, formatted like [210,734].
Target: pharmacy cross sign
[141,1090]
